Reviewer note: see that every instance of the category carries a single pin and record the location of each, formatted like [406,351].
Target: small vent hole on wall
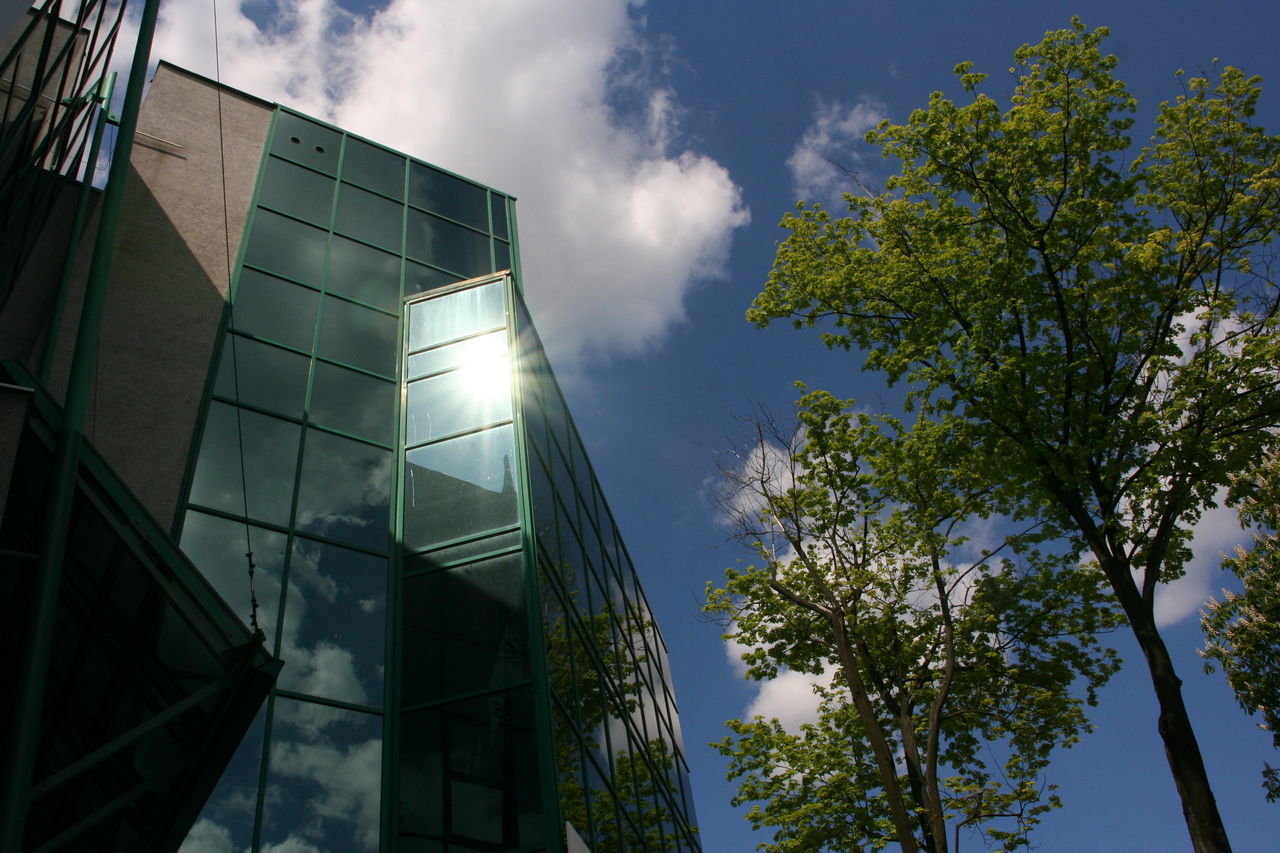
[319,149]
[295,140]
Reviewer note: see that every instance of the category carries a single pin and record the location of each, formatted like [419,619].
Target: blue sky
[654,147]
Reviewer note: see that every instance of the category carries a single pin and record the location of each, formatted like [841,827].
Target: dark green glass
[498,206]
[353,402]
[373,168]
[286,247]
[468,550]
[419,279]
[501,255]
[219,547]
[306,142]
[272,308]
[261,375]
[344,491]
[364,273]
[358,336]
[434,190]
[370,218]
[270,455]
[444,244]
[299,192]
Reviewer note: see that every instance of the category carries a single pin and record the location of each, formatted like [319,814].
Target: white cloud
[617,220]
[789,698]
[833,137]
[1218,531]
[207,837]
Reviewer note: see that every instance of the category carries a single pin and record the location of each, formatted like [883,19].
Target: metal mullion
[354,368]
[469,561]
[510,687]
[460,434]
[285,693]
[452,341]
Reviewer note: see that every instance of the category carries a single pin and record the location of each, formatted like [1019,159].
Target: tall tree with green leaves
[945,668]
[1105,327]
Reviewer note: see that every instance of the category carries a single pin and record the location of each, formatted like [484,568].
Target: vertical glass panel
[270,456]
[501,255]
[324,779]
[364,273]
[476,395]
[226,821]
[218,546]
[307,142]
[286,247]
[353,402]
[448,196]
[358,336]
[344,490]
[260,375]
[374,168]
[445,318]
[498,205]
[469,774]
[460,486]
[464,630]
[299,192]
[419,278]
[483,349]
[335,621]
[446,244]
[271,308]
[370,217]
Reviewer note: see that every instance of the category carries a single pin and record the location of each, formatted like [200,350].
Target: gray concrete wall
[169,278]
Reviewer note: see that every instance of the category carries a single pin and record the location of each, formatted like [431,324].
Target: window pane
[364,273]
[286,247]
[460,486]
[444,244]
[335,623]
[262,375]
[344,490]
[358,336]
[270,454]
[446,318]
[307,142]
[275,309]
[464,630]
[297,191]
[477,395]
[418,279]
[448,196]
[374,168]
[353,402]
[324,779]
[218,547]
[370,217]
[498,204]
[228,813]
[482,349]
[501,255]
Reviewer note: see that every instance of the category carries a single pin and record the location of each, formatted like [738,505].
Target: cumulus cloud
[835,136]
[617,220]
[1217,532]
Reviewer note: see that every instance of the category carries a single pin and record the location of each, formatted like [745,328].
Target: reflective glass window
[261,375]
[501,255]
[373,167]
[419,278]
[219,546]
[353,402]
[458,487]
[364,273]
[370,217]
[446,244]
[271,308]
[344,490]
[476,395]
[286,247]
[462,551]
[335,621]
[498,204]
[464,630]
[324,779]
[299,192]
[434,190]
[358,336]
[307,142]
[457,315]
[227,816]
[270,456]
[480,350]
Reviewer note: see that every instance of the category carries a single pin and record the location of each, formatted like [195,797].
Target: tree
[1107,333]
[1242,632]
[939,655]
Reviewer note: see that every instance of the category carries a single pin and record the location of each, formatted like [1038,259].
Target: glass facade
[469,660]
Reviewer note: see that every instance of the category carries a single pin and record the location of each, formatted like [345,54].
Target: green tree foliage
[948,667]
[1242,632]
[1105,330]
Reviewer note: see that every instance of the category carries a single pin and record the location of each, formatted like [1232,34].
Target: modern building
[318,381]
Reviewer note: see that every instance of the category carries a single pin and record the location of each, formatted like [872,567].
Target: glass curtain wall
[296,465]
